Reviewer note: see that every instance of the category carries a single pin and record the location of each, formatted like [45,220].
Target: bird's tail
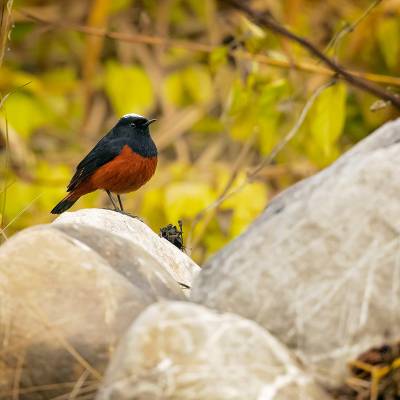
[66,203]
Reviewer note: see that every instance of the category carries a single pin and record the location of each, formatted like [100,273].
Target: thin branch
[43,388]
[236,168]
[205,48]
[267,160]
[2,230]
[266,21]
[4,27]
[78,385]
[348,28]
[17,376]
[5,184]
[5,97]
[290,135]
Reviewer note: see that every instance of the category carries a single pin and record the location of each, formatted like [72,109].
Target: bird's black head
[134,124]
[133,130]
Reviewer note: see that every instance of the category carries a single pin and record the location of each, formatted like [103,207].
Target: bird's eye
[132,124]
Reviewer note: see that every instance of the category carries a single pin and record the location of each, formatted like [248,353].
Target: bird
[121,162]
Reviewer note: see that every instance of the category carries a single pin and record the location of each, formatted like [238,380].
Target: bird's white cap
[133,115]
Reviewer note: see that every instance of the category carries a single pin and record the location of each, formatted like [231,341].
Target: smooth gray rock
[320,267]
[182,268]
[132,261]
[183,351]
[63,307]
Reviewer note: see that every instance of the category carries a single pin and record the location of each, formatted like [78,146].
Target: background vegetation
[224,91]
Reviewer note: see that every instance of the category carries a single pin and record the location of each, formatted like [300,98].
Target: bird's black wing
[104,151]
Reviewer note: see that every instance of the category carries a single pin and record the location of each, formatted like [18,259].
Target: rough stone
[320,268]
[63,308]
[183,351]
[178,264]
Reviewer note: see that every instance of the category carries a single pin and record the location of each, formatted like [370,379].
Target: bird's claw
[129,214]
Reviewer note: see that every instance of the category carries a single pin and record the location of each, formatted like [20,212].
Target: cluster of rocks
[94,305]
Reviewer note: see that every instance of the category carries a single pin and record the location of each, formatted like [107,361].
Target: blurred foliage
[219,113]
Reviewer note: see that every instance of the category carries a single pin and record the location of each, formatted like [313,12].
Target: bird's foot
[129,214]
[124,213]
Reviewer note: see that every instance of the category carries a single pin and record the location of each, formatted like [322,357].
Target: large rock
[178,264]
[138,266]
[64,306]
[182,351]
[320,269]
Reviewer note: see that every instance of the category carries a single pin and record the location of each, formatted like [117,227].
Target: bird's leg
[120,202]
[121,209]
[112,200]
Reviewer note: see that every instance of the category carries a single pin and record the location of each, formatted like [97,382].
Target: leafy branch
[267,21]
[200,47]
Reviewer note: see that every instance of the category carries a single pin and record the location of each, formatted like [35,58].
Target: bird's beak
[150,121]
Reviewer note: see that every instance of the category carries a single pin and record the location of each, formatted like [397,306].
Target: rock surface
[178,264]
[63,306]
[320,268]
[183,351]
[132,261]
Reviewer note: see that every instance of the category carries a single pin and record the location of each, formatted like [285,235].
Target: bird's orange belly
[125,173]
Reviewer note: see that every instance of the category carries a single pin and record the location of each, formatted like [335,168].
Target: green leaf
[326,120]
[389,40]
[128,88]
[218,57]
[254,109]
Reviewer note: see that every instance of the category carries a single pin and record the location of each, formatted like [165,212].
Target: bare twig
[267,160]
[44,388]
[37,313]
[266,21]
[2,230]
[5,97]
[5,184]
[201,47]
[348,28]
[4,31]
[78,385]
[290,135]
[86,392]
[98,17]
[17,376]
[4,27]
[236,168]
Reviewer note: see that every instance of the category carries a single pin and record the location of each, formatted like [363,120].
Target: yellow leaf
[152,208]
[389,40]
[246,205]
[186,199]
[25,113]
[173,89]
[198,84]
[190,86]
[326,120]
[129,89]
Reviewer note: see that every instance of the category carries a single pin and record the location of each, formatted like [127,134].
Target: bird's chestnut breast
[125,173]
